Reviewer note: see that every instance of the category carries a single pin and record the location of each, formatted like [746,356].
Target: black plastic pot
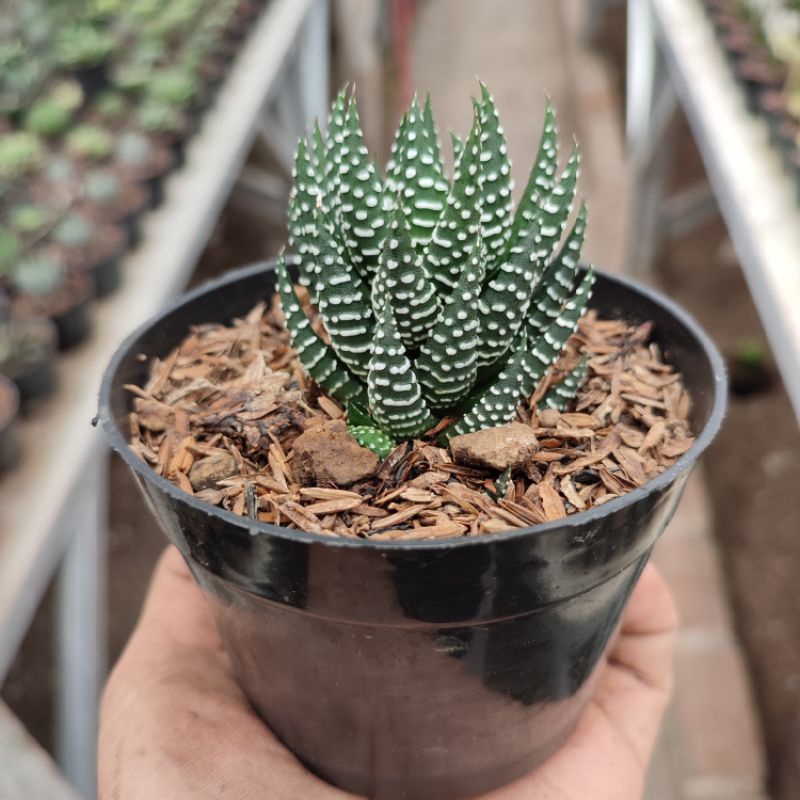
[426,669]
[35,378]
[75,324]
[9,444]
[106,277]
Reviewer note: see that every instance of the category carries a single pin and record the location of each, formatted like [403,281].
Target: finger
[607,755]
[175,611]
[635,686]
[647,631]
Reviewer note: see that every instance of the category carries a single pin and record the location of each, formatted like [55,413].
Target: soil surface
[231,416]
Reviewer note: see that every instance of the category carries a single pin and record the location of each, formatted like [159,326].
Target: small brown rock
[549,417]
[498,448]
[207,472]
[327,453]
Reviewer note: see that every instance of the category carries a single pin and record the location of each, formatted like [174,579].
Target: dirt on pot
[237,397]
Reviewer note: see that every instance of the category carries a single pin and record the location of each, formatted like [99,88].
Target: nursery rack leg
[81,633]
[650,112]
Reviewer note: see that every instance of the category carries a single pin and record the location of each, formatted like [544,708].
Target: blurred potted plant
[143,161]
[20,154]
[167,125]
[27,357]
[44,288]
[21,73]
[52,114]
[9,411]
[9,404]
[431,318]
[109,196]
[92,248]
[10,249]
[176,87]
[90,143]
[82,47]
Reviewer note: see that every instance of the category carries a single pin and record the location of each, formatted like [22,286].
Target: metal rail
[53,507]
[673,57]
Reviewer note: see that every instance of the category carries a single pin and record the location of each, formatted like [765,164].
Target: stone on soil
[497,448]
[207,472]
[327,453]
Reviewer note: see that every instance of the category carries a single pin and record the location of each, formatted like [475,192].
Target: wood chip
[395,519]
[322,493]
[551,501]
[332,506]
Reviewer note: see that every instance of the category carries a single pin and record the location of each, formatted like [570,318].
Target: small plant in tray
[83,44]
[90,142]
[20,154]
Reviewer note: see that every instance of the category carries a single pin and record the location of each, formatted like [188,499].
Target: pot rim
[119,443]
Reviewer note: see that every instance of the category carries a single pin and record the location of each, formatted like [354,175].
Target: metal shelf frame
[674,59]
[53,506]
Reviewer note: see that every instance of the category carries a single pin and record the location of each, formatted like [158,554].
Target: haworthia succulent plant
[409,287]
[494,178]
[395,396]
[373,438]
[421,184]
[360,198]
[559,396]
[317,357]
[439,299]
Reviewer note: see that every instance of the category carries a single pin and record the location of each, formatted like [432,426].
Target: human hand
[175,725]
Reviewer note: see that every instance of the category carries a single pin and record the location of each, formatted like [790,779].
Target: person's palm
[176,726]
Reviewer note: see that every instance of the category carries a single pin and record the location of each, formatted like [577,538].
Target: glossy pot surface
[426,669]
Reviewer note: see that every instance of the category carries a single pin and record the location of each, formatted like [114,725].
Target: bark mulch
[219,414]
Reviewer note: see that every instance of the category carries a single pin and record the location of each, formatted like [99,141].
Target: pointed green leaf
[457,230]
[408,286]
[501,483]
[360,198]
[317,357]
[395,396]
[542,176]
[506,300]
[373,439]
[448,360]
[357,415]
[498,403]
[547,346]
[556,208]
[422,185]
[560,395]
[344,301]
[432,135]
[458,146]
[394,180]
[302,219]
[494,179]
[334,145]
[559,276]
